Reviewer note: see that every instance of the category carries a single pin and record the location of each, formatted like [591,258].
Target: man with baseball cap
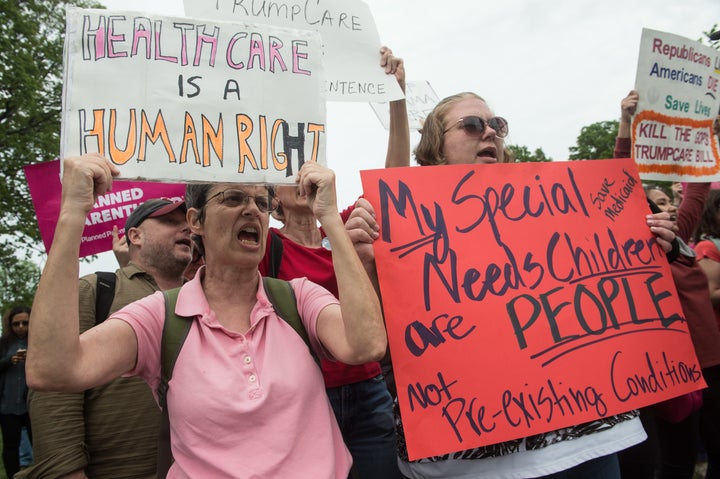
[112,431]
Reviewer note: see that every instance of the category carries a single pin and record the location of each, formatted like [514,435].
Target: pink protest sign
[111,209]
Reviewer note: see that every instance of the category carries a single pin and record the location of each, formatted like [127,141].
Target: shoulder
[707,249]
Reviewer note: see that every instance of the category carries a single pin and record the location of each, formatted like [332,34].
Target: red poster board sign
[110,209]
[523,298]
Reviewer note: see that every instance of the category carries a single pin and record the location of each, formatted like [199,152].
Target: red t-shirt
[316,265]
[706,249]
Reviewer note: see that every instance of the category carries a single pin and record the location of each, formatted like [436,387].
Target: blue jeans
[605,467]
[364,412]
[26,452]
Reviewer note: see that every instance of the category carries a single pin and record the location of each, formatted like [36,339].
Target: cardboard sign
[523,298]
[420,99]
[351,42]
[110,209]
[178,99]
[679,84]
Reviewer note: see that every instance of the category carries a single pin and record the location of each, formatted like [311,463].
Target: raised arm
[354,332]
[59,360]
[628,106]
[398,150]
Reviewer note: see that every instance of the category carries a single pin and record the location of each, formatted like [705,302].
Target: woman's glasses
[475,126]
[19,323]
[233,198]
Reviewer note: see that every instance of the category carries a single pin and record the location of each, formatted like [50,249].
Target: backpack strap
[282,297]
[104,294]
[175,331]
[276,252]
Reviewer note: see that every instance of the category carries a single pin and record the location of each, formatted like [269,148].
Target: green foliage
[522,154]
[18,286]
[596,141]
[706,38]
[31,67]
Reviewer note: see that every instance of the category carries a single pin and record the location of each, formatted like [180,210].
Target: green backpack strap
[175,330]
[282,298]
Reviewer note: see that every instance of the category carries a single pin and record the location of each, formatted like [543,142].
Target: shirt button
[252,378]
[247,359]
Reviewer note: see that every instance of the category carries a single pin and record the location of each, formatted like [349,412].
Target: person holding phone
[13,388]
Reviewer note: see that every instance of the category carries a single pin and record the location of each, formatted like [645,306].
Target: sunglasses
[233,198]
[475,126]
[20,323]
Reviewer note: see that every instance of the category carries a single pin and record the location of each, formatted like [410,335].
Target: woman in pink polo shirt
[246,398]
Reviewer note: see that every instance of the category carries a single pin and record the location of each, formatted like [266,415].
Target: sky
[549,68]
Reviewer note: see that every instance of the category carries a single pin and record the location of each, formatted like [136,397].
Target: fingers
[628,105]
[361,225]
[116,239]
[393,65]
[361,231]
[364,204]
[663,228]
[85,178]
[313,177]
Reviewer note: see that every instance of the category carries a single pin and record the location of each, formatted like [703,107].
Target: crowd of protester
[247,397]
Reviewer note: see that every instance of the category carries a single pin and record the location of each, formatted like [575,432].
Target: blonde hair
[429,151]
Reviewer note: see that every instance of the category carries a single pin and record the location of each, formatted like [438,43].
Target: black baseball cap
[152,209]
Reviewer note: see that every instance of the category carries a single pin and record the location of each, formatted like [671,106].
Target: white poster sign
[679,81]
[351,42]
[420,99]
[180,99]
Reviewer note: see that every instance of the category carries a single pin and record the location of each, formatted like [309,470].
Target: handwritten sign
[110,209]
[351,42]
[420,99]
[679,85]
[523,298]
[177,99]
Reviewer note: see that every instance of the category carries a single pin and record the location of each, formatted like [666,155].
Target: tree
[708,37]
[596,141]
[31,67]
[522,154]
[17,287]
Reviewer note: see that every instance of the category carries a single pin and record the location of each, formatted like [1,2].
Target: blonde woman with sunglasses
[462,129]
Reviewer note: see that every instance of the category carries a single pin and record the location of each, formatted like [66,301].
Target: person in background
[120,250]
[246,397]
[462,129]
[13,387]
[708,257]
[357,393]
[672,426]
[111,431]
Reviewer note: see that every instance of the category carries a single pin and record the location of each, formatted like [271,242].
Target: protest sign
[110,209]
[351,42]
[523,298]
[678,81]
[178,99]
[420,99]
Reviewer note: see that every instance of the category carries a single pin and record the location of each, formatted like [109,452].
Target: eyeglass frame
[484,123]
[273,203]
